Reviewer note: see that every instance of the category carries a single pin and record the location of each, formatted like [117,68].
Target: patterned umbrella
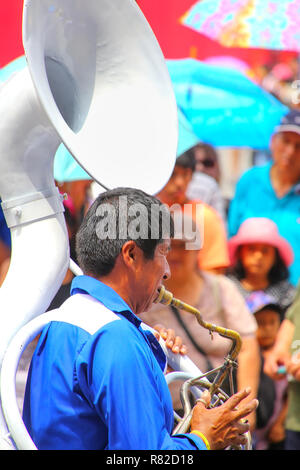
[267,24]
[223,106]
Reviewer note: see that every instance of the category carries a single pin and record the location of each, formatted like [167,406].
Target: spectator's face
[285,147]
[78,192]
[182,261]
[268,322]
[207,163]
[257,258]
[175,190]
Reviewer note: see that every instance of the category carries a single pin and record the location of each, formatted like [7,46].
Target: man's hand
[276,433]
[223,425]
[279,355]
[293,366]
[173,342]
[274,361]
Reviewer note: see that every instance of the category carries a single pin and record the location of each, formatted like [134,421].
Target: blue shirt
[255,197]
[100,390]
[4,230]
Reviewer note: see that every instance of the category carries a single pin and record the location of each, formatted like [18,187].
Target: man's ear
[130,253]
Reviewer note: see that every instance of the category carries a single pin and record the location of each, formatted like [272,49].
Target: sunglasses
[207,162]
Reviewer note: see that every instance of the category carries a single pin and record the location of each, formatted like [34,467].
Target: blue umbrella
[186,136]
[14,66]
[224,107]
[66,167]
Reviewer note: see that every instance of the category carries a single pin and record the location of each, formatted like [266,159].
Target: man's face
[175,190]
[285,147]
[150,275]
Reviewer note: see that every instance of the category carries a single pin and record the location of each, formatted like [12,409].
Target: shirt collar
[105,294]
[295,189]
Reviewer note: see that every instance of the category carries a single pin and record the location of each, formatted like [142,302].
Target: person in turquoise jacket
[273,190]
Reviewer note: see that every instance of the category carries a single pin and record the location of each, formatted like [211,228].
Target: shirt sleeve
[238,315]
[4,230]
[214,252]
[122,380]
[235,211]
[294,308]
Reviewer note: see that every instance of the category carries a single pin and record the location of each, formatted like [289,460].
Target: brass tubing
[166,298]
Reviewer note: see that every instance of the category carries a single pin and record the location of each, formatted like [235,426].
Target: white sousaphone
[95,80]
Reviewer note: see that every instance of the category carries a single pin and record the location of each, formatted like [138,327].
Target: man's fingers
[245,410]
[237,433]
[157,335]
[239,440]
[205,399]
[172,341]
[175,342]
[178,346]
[168,335]
[238,397]
[242,426]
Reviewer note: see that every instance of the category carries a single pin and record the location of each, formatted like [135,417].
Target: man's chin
[152,301]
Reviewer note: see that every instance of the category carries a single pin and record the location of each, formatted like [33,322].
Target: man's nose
[179,181]
[290,150]
[167,274]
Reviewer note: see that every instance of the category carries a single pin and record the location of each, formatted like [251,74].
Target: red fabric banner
[176,40]
[11,45]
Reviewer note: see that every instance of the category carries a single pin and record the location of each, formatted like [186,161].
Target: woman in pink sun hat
[260,258]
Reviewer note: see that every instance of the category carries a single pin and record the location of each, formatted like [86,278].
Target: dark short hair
[96,248]
[208,149]
[187,159]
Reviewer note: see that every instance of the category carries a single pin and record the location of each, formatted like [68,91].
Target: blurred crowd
[244,276]
[279,78]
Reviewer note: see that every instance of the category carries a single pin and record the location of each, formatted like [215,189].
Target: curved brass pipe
[166,298]
[218,396]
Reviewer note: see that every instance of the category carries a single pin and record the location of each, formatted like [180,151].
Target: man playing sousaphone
[96,379]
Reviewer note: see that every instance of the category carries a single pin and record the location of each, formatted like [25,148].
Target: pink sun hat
[260,230]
